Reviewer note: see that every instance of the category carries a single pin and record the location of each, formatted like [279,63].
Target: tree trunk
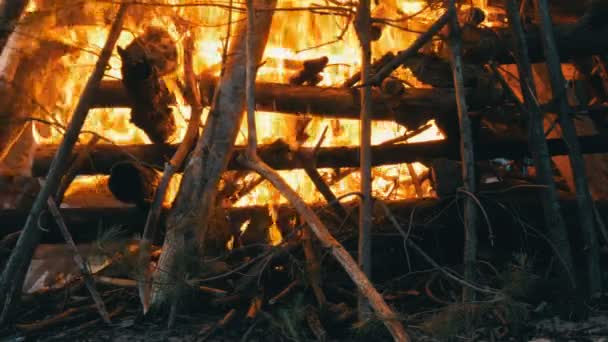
[468,158]
[363,28]
[191,213]
[10,12]
[538,146]
[577,163]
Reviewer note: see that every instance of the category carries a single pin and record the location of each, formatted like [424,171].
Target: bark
[468,158]
[280,157]
[554,221]
[196,198]
[13,275]
[577,163]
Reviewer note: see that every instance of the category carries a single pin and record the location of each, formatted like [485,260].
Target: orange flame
[296,35]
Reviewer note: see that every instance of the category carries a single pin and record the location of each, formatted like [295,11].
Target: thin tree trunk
[468,158]
[577,163]
[10,12]
[191,214]
[363,27]
[538,146]
[13,275]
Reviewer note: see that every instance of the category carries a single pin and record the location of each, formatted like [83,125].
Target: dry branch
[14,273]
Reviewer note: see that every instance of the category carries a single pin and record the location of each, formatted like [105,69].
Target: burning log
[144,61]
[132,182]
[310,72]
[280,157]
[572,40]
[413,108]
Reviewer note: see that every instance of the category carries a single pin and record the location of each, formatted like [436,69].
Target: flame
[295,36]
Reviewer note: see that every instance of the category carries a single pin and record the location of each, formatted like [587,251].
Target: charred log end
[133,183]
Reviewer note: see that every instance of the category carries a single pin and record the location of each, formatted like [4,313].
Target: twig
[13,276]
[83,266]
[284,293]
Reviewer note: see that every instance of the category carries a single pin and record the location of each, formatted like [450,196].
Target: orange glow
[295,35]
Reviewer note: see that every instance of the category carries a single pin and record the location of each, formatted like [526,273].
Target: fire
[295,36]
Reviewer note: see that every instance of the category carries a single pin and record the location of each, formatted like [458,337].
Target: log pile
[247,244]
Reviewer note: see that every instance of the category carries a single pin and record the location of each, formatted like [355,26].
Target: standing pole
[577,163]
[363,27]
[467,153]
[538,147]
[16,268]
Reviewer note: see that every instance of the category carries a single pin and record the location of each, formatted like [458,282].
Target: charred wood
[309,74]
[281,157]
[141,71]
[131,182]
